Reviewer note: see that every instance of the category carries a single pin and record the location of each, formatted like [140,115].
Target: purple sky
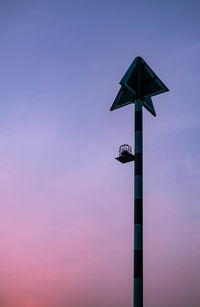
[66,213]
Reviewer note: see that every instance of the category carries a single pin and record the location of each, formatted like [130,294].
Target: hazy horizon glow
[66,222]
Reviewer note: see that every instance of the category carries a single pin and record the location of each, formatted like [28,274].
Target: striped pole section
[138,204]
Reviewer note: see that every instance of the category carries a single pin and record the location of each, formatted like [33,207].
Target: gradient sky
[66,213]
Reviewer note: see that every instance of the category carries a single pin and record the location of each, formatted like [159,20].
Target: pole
[138,201]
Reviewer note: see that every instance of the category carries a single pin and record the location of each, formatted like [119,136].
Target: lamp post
[137,86]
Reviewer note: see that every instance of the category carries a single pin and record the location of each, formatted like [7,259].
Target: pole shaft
[138,203]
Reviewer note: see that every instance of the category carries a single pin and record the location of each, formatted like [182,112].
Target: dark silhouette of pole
[138,201]
[138,85]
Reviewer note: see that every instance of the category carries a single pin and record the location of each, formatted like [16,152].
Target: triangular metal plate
[122,99]
[151,85]
[148,104]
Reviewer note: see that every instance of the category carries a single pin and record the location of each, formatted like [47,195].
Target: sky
[66,204]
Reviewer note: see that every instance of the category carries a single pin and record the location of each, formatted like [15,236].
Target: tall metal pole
[138,201]
[138,85]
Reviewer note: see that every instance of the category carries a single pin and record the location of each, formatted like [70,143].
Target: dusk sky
[66,204]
